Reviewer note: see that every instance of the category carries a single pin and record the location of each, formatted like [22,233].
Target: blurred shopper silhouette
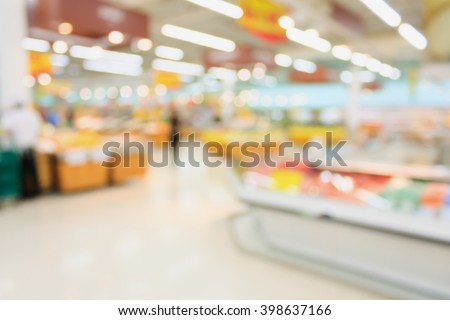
[174,132]
[22,125]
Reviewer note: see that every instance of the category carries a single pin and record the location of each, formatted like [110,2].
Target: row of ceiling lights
[307,38]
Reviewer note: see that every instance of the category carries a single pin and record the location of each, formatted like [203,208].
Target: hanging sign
[261,19]
[170,80]
[89,18]
[39,63]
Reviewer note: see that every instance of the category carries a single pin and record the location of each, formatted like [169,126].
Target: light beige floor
[162,238]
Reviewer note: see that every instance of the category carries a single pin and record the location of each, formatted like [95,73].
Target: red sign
[89,18]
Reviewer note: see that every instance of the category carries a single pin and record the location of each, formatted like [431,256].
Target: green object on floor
[10,186]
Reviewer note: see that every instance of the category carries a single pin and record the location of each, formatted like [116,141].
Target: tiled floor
[165,237]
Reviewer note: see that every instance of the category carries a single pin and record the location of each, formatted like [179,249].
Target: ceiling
[376,38]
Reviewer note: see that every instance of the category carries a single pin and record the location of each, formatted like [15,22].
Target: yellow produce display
[303,134]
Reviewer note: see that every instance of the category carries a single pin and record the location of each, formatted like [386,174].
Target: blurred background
[77,74]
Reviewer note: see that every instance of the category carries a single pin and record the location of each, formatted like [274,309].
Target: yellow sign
[170,80]
[40,63]
[261,18]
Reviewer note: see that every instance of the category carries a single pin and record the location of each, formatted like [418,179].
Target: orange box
[122,174]
[75,178]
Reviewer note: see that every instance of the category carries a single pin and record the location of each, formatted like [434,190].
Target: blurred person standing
[22,125]
[175,132]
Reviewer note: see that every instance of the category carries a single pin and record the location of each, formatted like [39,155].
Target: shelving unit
[388,220]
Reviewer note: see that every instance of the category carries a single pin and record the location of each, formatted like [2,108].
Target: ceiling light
[122,57]
[126,92]
[97,53]
[169,53]
[116,37]
[396,74]
[44,79]
[259,72]
[312,32]
[346,77]
[65,28]
[100,93]
[283,60]
[222,7]
[178,67]
[144,44]
[374,65]
[161,90]
[384,12]
[60,46]
[386,70]
[414,37]
[112,92]
[281,100]
[143,91]
[38,45]
[244,75]
[29,81]
[85,94]
[223,73]
[200,38]
[305,66]
[89,53]
[367,76]
[112,67]
[286,22]
[60,60]
[360,59]
[342,53]
[308,40]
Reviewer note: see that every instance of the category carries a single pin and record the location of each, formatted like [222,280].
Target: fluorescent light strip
[367,76]
[283,60]
[384,12]
[60,60]
[396,74]
[223,73]
[199,38]
[386,70]
[89,53]
[360,59]
[342,53]
[37,45]
[169,53]
[309,40]
[286,22]
[220,6]
[414,37]
[178,67]
[374,65]
[97,53]
[127,58]
[305,66]
[114,68]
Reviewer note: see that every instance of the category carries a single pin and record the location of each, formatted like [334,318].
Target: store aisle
[163,238]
